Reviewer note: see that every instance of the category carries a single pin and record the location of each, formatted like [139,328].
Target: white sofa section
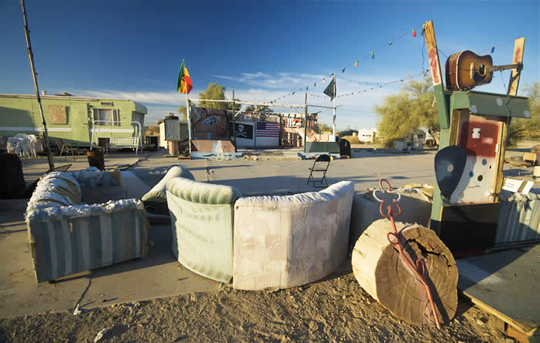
[287,241]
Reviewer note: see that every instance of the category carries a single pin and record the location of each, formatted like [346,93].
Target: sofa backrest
[202,226]
[287,241]
[55,189]
[200,192]
[332,192]
[67,188]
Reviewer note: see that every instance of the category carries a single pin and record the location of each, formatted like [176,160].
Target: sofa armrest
[158,192]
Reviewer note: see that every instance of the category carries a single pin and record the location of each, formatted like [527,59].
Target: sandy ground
[334,310]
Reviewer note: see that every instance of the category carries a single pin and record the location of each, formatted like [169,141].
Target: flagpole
[188,113]
[334,110]
[305,123]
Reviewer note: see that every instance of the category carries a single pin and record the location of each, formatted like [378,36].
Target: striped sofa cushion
[69,240]
[202,223]
[204,193]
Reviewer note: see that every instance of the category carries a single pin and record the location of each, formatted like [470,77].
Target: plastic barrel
[96,159]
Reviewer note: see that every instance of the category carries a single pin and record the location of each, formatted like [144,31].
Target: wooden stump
[386,277]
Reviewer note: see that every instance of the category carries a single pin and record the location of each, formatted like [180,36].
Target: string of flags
[492,49]
[355,64]
[374,86]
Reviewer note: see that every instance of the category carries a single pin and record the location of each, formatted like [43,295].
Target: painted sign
[479,137]
[244,130]
[435,67]
[209,124]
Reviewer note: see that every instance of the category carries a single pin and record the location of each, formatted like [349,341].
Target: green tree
[320,128]
[182,113]
[403,113]
[213,92]
[527,128]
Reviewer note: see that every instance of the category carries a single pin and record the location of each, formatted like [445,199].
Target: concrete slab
[158,275]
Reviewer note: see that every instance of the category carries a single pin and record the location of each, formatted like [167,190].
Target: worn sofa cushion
[92,177]
[103,194]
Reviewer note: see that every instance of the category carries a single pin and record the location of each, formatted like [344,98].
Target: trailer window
[107,117]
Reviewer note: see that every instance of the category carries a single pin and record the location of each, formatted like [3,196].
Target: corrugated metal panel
[519,218]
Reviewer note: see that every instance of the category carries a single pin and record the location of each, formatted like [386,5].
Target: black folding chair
[320,166]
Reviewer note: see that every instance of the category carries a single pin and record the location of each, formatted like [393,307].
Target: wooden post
[443,111]
[436,75]
[519,47]
[173,148]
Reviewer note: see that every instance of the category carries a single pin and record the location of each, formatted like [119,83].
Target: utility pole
[234,122]
[31,59]
[334,111]
[305,122]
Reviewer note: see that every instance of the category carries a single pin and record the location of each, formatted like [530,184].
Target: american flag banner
[265,129]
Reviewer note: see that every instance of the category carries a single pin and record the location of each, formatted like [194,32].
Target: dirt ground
[333,310]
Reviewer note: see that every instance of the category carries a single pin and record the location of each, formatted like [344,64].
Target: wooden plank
[436,75]
[504,285]
[519,47]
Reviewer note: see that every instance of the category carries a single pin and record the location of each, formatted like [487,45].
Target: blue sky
[264,50]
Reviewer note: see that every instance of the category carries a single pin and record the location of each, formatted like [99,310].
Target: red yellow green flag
[184,84]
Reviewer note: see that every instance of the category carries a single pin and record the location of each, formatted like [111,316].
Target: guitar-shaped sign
[466,70]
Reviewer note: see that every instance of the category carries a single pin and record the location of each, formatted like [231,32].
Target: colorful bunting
[492,49]
[390,43]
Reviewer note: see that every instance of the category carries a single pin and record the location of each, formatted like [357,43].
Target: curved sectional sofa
[259,242]
[74,226]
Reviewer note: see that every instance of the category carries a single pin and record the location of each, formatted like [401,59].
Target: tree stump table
[380,270]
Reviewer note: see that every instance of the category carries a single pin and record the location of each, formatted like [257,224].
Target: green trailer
[80,121]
